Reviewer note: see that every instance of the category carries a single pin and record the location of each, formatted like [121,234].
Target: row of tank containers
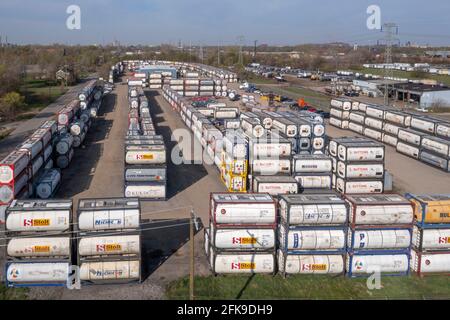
[424,138]
[145,151]
[186,67]
[44,243]
[326,233]
[280,152]
[33,168]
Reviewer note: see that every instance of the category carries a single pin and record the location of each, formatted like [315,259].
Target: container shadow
[179,176]
[160,240]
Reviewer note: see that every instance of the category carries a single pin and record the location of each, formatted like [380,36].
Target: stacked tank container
[430,252]
[420,137]
[234,161]
[39,243]
[358,165]
[241,233]
[313,172]
[109,246]
[145,172]
[379,234]
[312,233]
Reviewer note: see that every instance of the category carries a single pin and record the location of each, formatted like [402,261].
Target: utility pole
[218,54]
[390,29]
[192,227]
[241,57]
[201,53]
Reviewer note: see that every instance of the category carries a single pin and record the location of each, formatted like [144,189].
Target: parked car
[311,109]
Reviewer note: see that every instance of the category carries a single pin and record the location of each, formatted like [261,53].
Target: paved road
[25,128]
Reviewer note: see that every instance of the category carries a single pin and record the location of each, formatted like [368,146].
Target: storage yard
[280,192]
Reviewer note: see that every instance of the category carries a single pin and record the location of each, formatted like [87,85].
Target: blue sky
[275,22]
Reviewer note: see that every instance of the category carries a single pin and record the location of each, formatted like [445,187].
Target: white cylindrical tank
[360,170]
[147,190]
[360,153]
[146,155]
[48,183]
[431,239]
[13,165]
[313,239]
[122,244]
[37,272]
[110,270]
[409,150]
[368,264]
[243,263]
[243,239]
[430,262]
[57,220]
[357,186]
[64,144]
[379,239]
[33,146]
[271,166]
[311,264]
[39,247]
[108,219]
[63,161]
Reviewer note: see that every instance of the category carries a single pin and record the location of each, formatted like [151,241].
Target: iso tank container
[374,134]
[391,129]
[285,126]
[443,130]
[39,215]
[308,239]
[342,124]
[357,117]
[359,186]
[271,166]
[63,160]
[39,247]
[9,192]
[235,145]
[373,123]
[13,165]
[390,140]
[152,154]
[340,114]
[358,170]
[383,209]
[341,104]
[242,263]
[64,144]
[234,183]
[376,111]
[423,124]
[33,146]
[310,263]
[355,127]
[430,262]
[252,127]
[109,245]
[242,209]
[107,271]
[361,151]
[437,145]
[36,273]
[145,173]
[435,160]
[411,136]
[312,164]
[146,190]
[270,146]
[275,185]
[48,183]
[334,143]
[241,239]
[109,213]
[425,239]
[315,209]
[308,181]
[431,210]
[407,149]
[385,263]
[365,239]
[397,117]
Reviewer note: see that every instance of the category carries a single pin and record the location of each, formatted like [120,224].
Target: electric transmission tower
[241,57]
[390,30]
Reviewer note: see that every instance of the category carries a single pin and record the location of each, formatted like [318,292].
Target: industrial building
[423,94]
[373,88]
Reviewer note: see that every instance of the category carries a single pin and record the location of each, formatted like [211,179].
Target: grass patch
[312,97]
[5,132]
[12,293]
[40,93]
[309,287]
